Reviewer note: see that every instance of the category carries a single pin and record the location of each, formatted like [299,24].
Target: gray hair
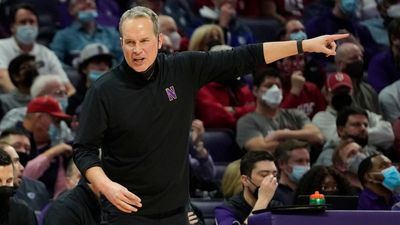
[140,12]
[40,83]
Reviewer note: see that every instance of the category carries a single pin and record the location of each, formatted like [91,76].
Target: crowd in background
[316,123]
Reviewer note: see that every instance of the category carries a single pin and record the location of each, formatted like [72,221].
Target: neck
[248,196]
[25,48]
[89,27]
[24,90]
[265,110]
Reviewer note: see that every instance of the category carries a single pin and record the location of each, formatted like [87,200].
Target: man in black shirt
[140,114]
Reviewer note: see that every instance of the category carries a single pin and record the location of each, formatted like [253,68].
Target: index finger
[334,37]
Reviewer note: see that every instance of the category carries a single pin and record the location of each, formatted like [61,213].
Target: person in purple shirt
[384,68]
[258,176]
[381,181]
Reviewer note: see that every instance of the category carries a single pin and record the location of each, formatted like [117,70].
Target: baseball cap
[337,80]
[47,104]
[90,51]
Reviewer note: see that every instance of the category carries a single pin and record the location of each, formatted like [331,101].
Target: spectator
[346,159]
[349,60]
[169,28]
[69,42]
[384,68]
[270,125]
[380,179]
[30,191]
[293,160]
[23,71]
[24,29]
[205,37]
[94,60]
[220,104]
[231,183]
[338,93]
[225,15]
[258,177]
[351,122]
[325,180]
[12,211]
[389,101]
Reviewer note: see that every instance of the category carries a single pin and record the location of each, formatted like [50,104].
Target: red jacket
[310,100]
[213,97]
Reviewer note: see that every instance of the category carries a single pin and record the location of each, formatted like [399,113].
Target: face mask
[94,75]
[394,11]
[23,158]
[6,192]
[54,135]
[359,140]
[64,103]
[29,77]
[273,96]
[26,34]
[354,162]
[355,70]
[87,16]
[348,7]
[298,36]
[255,192]
[341,100]
[298,172]
[391,178]
[175,39]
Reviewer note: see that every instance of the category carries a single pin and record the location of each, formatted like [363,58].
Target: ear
[245,180]
[13,28]
[160,40]
[340,131]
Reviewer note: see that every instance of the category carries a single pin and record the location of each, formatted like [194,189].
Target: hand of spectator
[267,188]
[227,12]
[197,131]
[120,197]
[297,82]
[192,218]
[349,151]
[201,152]
[323,44]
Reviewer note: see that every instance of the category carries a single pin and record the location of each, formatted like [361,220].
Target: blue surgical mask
[298,172]
[273,96]
[391,178]
[26,34]
[94,75]
[64,103]
[348,7]
[54,135]
[298,36]
[87,15]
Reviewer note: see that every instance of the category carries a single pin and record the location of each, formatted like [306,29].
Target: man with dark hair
[24,28]
[381,181]
[270,125]
[22,71]
[258,177]
[293,160]
[32,192]
[351,123]
[156,91]
[12,211]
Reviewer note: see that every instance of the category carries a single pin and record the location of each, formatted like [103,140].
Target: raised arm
[323,44]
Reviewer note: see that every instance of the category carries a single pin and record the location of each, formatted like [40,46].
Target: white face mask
[273,96]
[394,11]
[175,39]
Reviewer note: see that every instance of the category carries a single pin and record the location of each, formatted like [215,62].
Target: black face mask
[5,194]
[359,140]
[355,70]
[341,100]
[29,76]
[23,158]
[255,193]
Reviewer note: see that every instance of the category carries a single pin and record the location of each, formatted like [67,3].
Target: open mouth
[138,60]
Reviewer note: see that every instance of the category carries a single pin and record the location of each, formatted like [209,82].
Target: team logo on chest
[171,93]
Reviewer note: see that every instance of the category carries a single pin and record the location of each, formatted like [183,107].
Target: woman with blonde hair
[206,36]
[231,184]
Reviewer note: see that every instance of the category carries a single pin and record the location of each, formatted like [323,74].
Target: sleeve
[4,61]
[301,118]
[92,125]
[246,130]
[389,105]
[211,111]
[36,167]
[224,65]
[380,132]
[225,216]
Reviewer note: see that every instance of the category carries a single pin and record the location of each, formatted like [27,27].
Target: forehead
[23,14]
[264,165]
[351,51]
[299,153]
[6,171]
[357,118]
[134,28]
[270,80]
[17,138]
[293,25]
[378,160]
[11,151]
